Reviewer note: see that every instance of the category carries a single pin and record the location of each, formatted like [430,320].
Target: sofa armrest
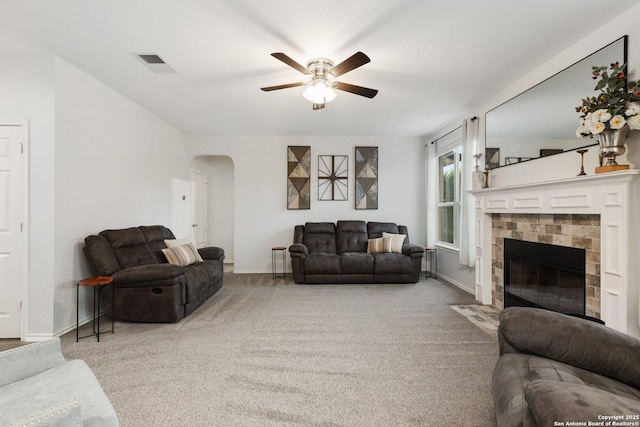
[413,250]
[212,252]
[577,342]
[67,414]
[298,250]
[28,360]
[146,273]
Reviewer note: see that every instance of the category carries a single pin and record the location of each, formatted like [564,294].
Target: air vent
[154,62]
[151,59]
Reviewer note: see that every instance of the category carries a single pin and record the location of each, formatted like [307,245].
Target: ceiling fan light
[310,92]
[329,94]
[319,92]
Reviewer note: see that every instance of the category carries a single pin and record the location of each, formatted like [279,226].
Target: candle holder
[486,179]
[581,152]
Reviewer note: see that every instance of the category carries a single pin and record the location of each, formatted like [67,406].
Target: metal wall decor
[333,177]
[366,177]
[298,177]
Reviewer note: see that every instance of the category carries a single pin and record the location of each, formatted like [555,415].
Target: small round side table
[274,267]
[97,284]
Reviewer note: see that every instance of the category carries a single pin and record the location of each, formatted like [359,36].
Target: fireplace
[595,213]
[545,276]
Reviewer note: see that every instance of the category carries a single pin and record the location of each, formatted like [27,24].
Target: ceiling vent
[154,62]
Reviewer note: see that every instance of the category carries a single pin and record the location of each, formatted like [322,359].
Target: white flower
[601,116]
[634,122]
[597,127]
[617,122]
[582,131]
[633,108]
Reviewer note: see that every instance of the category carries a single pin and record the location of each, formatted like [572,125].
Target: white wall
[116,166]
[27,88]
[261,218]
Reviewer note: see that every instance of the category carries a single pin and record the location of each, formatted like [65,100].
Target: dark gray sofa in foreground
[38,387]
[324,252]
[147,287]
[554,367]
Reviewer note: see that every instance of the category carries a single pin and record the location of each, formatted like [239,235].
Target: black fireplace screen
[545,276]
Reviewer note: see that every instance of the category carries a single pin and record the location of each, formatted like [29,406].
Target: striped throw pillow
[182,255]
[397,240]
[379,245]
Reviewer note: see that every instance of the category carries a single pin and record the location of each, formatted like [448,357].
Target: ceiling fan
[320,73]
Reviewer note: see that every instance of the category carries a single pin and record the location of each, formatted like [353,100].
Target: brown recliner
[147,287]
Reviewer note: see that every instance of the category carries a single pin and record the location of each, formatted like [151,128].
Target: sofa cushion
[351,236]
[320,237]
[130,247]
[515,371]
[321,263]
[100,255]
[155,235]
[391,263]
[356,263]
[549,402]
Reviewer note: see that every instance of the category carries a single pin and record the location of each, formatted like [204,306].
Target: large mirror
[542,120]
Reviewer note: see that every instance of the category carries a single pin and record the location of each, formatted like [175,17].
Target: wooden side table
[274,267]
[431,254]
[97,284]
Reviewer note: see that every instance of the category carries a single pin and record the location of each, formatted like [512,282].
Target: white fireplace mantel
[612,196]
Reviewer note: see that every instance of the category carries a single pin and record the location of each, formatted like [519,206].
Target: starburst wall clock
[333,177]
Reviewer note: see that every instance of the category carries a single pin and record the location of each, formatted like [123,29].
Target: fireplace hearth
[544,276]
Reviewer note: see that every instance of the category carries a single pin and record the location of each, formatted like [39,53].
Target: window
[448,202]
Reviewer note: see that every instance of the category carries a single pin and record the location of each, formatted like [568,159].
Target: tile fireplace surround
[594,212]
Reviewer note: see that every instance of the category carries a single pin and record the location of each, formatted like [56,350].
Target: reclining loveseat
[354,252]
[147,287]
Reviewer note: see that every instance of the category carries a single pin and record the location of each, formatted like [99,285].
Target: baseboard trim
[456,284]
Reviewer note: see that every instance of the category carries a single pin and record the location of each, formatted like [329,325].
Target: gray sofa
[554,367]
[38,387]
[147,287]
[324,252]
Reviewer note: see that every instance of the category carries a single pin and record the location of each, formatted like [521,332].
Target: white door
[199,207]
[11,237]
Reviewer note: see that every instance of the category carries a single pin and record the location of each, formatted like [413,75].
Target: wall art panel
[366,177]
[298,177]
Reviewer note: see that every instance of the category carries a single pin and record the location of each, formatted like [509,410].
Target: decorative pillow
[182,255]
[174,243]
[375,246]
[397,240]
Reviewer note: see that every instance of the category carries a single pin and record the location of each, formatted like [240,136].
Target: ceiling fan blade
[358,90]
[356,60]
[278,87]
[290,62]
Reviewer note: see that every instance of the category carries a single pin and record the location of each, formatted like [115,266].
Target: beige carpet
[296,355]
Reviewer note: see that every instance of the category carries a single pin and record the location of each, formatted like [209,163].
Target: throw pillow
[174,243]
[182,255]
[375,246]
[397,240]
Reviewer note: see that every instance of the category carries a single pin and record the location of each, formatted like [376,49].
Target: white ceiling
[430,60]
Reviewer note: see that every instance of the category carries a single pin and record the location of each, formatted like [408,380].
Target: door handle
[194,225]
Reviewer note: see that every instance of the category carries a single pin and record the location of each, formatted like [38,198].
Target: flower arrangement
[616,106]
